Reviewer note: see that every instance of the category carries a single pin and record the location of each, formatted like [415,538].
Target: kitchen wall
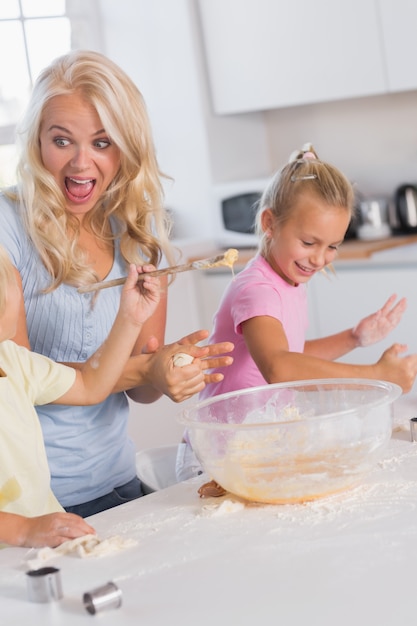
[373,140]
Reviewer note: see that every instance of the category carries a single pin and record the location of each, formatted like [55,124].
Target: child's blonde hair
[303,174]
[7,276]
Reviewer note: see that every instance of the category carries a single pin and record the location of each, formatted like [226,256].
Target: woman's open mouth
[79,190]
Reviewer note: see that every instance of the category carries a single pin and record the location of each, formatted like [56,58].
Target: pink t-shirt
[257,290]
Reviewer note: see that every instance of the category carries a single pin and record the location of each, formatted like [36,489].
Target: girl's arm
[46,530]
[268,346]
[333,346]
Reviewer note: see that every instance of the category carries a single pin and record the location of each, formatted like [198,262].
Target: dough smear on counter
[83,547]
[211,490]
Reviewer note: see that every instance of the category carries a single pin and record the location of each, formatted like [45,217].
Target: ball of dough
[182,359]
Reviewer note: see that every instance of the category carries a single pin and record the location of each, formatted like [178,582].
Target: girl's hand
[378,325]
[396,369]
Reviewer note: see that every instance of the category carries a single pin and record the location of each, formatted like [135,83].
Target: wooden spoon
[227,259]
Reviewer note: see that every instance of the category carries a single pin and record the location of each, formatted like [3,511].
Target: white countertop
[344,560]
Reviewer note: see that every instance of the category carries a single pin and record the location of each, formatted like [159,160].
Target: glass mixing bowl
[292,442]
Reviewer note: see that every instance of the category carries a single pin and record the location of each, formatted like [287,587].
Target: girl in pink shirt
[302,220]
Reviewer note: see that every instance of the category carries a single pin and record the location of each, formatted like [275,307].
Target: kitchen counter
[360,249]
[352,250]
[346,559]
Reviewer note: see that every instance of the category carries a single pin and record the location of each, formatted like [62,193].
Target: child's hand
[140,297]
[400,370]
[51,530]
[378,325]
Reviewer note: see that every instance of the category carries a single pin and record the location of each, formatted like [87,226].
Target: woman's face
[78,153]
[308,241]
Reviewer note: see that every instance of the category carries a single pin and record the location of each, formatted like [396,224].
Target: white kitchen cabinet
[210,286]
[156,424]
[398,23]
[266,54]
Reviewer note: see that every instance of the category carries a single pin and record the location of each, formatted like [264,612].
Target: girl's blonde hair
[135,196]
[303,174]
[7,277]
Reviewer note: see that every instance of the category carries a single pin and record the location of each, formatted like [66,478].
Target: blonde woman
[89,202]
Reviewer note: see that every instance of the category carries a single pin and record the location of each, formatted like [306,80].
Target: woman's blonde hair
[7,277]
[303,174]
[135,196]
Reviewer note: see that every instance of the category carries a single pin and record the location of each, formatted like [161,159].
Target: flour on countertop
[224,508]
[390,489]
[376,498]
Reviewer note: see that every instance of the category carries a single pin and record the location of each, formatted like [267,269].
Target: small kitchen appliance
[405,202]
[234,209]
[373,219]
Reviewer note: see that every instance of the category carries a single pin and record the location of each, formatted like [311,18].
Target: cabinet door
[398,23]
[342,301]
[210,286]
[264,54]
[157,424]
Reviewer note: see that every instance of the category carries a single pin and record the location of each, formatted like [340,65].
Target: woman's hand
[212,355]
[378,325]
[163,377]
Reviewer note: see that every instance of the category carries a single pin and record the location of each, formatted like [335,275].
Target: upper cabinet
[266,54]
[398,24]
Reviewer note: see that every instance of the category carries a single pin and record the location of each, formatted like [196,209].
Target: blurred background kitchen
[232,87]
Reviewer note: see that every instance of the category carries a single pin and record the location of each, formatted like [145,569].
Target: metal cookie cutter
[413,428]
[108,596]
[44,584]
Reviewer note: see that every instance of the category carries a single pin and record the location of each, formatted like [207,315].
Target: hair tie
[309,155]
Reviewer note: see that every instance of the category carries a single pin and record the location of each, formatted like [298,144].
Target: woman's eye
[307,243]
[335,248]
[60,141]
[102,143]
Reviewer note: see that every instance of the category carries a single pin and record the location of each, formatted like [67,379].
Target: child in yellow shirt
[30,515]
